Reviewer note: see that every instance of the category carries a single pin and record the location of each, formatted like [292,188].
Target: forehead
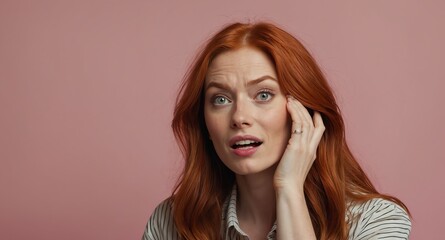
[245,62]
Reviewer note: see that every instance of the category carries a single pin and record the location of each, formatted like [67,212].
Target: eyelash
[268,91]
[215,98]
[262,91]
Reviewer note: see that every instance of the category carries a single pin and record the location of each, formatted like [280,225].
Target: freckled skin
[237,105]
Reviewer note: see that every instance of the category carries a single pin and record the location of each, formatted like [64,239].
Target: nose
[241,115]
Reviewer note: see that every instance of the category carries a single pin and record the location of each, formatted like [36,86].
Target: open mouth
[246,144]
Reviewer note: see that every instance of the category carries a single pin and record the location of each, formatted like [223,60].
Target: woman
[265,150]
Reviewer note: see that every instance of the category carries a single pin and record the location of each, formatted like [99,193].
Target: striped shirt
[375,219]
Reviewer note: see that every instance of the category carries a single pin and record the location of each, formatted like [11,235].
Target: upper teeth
[244,142]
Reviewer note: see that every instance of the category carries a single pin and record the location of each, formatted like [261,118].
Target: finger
[304,112]
[306,120]
[318,120]
[297,124]
[319,129]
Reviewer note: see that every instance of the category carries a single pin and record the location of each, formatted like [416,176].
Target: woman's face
[245,111]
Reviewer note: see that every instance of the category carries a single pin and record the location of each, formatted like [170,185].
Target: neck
[256,197]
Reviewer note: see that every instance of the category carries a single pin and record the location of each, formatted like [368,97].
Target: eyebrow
[251,82]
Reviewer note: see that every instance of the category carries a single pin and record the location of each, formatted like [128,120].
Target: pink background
[87,91]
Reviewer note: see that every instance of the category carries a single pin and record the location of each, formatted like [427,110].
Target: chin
[251,168]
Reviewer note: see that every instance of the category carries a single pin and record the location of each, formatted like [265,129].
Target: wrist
[287,183]
[289,190]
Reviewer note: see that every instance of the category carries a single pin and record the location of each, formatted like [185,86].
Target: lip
[244,152]
[237,138]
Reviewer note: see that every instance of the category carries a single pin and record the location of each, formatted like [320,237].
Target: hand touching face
[300,153]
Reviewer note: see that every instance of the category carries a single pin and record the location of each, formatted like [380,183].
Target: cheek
[279,125]
[213,123]
[212,127]
[278,119]
[216,130]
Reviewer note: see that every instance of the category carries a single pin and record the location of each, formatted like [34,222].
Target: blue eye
[220,100]
[264,96]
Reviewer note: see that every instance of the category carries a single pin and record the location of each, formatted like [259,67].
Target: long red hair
[335,177]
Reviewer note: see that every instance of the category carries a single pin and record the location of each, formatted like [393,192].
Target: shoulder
[378,218]
[161,225]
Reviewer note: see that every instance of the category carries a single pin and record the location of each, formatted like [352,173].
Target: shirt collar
[230,217]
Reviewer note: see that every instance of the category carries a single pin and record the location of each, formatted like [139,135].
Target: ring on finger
[297,131]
